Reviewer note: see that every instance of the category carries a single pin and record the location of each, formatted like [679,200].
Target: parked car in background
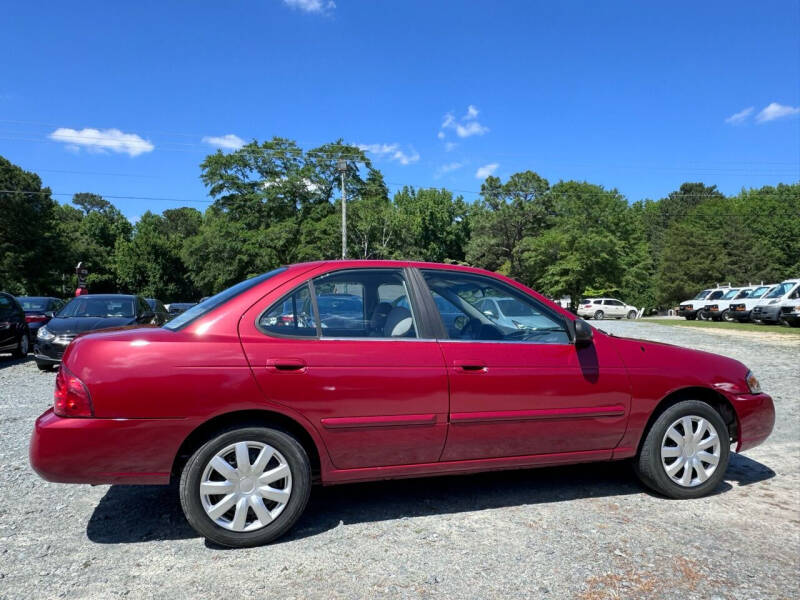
[512,313]
[39,310]
[695,308]
[769,309]
[176,308]
[15,336]
[740,309]
[160,312]
[606,308]
[719,310]
[87,313]
[244,411]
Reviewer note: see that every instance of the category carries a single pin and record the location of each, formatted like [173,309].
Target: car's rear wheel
[598,314]
[246,486]
[23,346]
[631,314]
[685,452]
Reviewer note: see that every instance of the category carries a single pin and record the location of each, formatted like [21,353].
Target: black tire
[189,487]
[631,314]
[648,464]
[598,315]
[726,316]
[691,317]
[793,323]
[43,366]
[703,316]
[23,346]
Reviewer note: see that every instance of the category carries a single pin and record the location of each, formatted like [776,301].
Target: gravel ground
[588,532]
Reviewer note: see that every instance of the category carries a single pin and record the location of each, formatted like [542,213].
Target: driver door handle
[287,364]
[470,366]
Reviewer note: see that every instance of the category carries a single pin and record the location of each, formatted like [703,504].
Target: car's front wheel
[685,452]
[246,486]
[631,314]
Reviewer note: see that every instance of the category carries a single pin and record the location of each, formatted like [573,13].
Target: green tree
[29,246]
[586,246]
[432,223]
[507,214]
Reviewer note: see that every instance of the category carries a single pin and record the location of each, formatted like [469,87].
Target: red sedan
[345,371]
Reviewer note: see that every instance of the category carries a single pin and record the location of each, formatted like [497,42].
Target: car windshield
[730,295]
[34,304]
[780,290]
[209,304]
[701,295]
[758,292]
[88,306]
[513,308]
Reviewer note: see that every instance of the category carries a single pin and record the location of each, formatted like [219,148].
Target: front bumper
[686,312]
[98,451]
[755,414]
[769,312]
[51,351]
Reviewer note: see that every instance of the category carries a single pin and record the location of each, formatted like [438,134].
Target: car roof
[107,296]
[36,298]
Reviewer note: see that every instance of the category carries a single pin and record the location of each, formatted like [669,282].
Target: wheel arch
[258,417]
[711,397]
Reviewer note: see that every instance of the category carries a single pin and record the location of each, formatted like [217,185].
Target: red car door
[518,386]
[347,350]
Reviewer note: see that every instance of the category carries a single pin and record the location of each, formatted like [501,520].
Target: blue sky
[125,99]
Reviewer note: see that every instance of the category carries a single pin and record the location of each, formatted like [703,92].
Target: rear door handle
[286,364]
[470,366]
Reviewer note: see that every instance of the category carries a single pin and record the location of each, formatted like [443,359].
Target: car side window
[364,303]
[523,318]
[6,308]
[292,315]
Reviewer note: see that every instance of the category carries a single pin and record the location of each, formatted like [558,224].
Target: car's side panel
[534,399]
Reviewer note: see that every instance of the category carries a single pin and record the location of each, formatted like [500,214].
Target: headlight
[752,383]
[44,335]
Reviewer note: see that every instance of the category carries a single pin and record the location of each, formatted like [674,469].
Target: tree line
[274,203]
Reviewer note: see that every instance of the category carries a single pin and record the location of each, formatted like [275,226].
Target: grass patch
[781,329]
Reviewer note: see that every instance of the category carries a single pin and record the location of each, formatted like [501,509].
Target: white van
[769,309]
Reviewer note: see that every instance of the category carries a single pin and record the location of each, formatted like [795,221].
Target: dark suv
[15,337]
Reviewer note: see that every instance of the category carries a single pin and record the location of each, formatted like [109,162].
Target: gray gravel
[587,532]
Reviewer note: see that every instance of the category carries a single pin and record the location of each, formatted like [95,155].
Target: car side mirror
[49,314]
[583,333]
[489,314]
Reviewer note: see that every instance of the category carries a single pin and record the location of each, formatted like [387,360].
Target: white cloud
[486,170]
[311,6]
[467,126]
[776,111]
[447,168]
[471,128]
[391,152]
[740,116]
[102,140]
[448,146]
[228,141]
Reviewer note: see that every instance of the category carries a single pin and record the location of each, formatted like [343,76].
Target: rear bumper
[97,451]
[756,416]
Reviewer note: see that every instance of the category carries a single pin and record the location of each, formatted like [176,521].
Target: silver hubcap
[690,451]
[245,486]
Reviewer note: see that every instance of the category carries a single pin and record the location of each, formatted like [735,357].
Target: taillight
[71,398]
[35,318]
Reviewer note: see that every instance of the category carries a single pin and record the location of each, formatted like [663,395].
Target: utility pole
[342,166]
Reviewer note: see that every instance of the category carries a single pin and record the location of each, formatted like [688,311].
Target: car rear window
[209,304]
